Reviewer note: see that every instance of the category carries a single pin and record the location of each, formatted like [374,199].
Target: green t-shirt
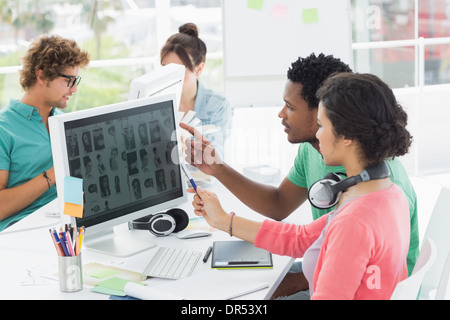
[309,167]
[25,152]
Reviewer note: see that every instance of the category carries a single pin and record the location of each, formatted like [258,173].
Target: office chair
[409,288]
[437,230]
[442,292]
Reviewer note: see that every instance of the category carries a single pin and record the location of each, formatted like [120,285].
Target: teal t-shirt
[309,167]
[25,152]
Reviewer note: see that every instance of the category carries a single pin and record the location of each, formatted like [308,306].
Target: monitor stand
[116,244]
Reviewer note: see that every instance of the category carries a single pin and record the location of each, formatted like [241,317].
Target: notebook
[239,254]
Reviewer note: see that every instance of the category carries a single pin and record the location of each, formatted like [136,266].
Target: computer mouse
[190,233]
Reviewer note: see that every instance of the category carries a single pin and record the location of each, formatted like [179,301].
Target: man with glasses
[49,77]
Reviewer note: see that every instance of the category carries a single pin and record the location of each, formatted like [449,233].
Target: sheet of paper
[179,116]
[216,285]
[148,293]
[188,117]
[208,129]
[195,122]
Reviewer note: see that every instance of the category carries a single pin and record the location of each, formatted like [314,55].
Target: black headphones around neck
[162,224]
[325,193]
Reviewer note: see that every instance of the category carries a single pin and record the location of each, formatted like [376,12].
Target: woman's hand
[206,204]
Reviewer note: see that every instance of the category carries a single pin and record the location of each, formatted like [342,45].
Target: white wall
[429,122]
[258,136]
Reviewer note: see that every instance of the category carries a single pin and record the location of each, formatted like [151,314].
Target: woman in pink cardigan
[358,250]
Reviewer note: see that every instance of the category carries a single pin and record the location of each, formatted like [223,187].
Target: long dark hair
[363,107]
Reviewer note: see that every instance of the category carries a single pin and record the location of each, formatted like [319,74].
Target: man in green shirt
[49,77]
[299,118]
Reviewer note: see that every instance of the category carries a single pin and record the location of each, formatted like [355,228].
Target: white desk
[33,251]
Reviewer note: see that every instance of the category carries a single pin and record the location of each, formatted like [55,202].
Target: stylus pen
[207,254]
[191,180]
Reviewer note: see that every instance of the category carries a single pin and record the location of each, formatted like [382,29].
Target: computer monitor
[165,80]
[128,155]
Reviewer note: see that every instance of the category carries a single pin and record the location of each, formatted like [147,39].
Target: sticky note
[73,210]
[73,190]
[73,197]
[280,11]
[255,4]
[310,15]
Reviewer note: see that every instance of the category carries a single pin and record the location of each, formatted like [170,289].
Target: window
[386,37]
[404,42]
[124,37]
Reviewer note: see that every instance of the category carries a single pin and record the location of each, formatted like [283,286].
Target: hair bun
[189,29]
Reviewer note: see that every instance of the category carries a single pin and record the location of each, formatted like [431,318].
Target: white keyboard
[171,263]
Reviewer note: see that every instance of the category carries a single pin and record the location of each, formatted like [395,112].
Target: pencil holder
[70,273]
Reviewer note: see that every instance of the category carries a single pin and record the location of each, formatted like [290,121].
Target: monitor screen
[124,159]
[128,157]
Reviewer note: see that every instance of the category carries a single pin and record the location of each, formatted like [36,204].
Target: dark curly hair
[312,71]
[51,54]
[364,108]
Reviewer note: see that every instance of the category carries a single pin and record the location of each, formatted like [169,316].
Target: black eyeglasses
[72,80]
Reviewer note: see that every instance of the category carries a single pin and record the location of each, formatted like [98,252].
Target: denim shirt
[213,108]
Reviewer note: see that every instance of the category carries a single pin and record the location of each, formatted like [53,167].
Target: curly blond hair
[51,54]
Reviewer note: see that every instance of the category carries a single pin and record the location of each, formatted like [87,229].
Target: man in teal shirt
[299,118]
[49,77]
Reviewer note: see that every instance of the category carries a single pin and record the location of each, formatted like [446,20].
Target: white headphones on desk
[325,193]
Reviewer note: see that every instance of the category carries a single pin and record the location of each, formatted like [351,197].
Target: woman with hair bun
[358,250]
[186,48]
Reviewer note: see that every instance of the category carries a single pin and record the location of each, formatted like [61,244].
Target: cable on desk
[5,232]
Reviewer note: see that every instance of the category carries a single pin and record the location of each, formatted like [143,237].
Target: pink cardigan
[364,248]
